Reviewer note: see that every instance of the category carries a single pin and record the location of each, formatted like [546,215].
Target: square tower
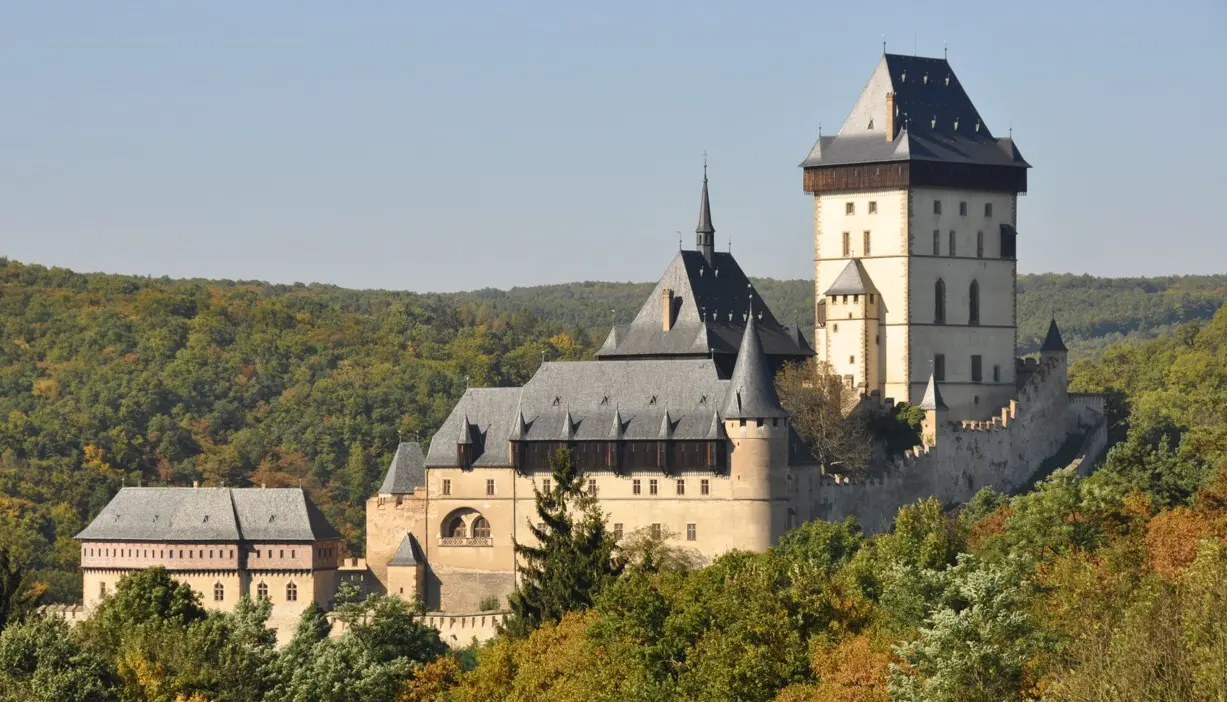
[917,199]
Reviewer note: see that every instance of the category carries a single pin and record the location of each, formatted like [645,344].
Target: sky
[457,145]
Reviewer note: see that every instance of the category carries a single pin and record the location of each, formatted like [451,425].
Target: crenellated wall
[1003,453]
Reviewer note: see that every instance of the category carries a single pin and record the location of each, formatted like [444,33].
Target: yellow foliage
[850,671]
[433,680]
[1172,538]
[563,342]
[47,388]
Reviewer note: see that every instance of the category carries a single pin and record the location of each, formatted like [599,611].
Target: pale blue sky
[457,145]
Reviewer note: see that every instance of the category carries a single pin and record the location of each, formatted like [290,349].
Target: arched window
[455,528]
[291,593]
[219,592]
[262,591]
[481,527]
[973,303]
[939,302]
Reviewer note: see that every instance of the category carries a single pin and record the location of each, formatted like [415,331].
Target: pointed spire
[666,426]
[751,392]
[466,431]
[619,427]
[933,396]
[568,426]
[705,239]
[1053,341]
[716,430]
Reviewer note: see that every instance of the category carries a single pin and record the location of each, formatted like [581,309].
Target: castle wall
[389,518]
[1003,453]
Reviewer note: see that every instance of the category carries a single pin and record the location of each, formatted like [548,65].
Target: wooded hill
[112,379]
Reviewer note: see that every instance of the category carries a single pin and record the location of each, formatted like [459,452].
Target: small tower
[935,412]
[1053,346]
[757,427]
[705,233]
[849,331]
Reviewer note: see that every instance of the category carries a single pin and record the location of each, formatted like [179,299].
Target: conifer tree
[573,559]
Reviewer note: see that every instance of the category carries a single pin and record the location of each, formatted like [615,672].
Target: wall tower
[917,198]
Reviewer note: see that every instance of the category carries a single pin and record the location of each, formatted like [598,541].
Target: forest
[1107,587]
[108,380]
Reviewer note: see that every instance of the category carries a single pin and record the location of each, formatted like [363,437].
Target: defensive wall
[1004,453]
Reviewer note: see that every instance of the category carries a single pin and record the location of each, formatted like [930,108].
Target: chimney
[666,309]
[890,117]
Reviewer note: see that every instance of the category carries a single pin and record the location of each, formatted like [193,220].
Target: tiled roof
[407,554]
[1053,342]
[714,300]
[751,392]
[852,280]
[406,472]
[209,514]
[932,399]
[935,121]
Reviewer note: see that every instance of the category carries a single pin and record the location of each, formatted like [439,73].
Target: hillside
[111,379]
[1093,312]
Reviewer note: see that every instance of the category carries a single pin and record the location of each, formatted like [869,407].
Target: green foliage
[18,596]
[573,558]
[41,660]
[144,597]
[488,604]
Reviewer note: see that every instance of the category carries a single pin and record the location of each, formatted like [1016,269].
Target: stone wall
[1003,453]
[456,629]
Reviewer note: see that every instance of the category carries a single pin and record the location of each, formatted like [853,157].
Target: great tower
[915,221]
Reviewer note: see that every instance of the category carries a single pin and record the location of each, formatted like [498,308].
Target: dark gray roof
[408,554]
[637,394]
[705,225]
[852,280]
[1053,342]
[406,472]
[933,396]
[715,298]
[209,514]
[936,121]
[751,391]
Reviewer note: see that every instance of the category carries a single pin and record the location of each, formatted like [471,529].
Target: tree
[573,559]
[821,407]
[142,598]
[18,596]
[41,660]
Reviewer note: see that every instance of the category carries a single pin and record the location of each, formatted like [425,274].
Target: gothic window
[979,244]
[481,528]
[636,487]
[219,592]
[655,531]
[681,486]
[847,244]
[939,302]
[976,373]
[691,532]
[937,242]
[866,244]
[617,531]
[490,486]
[953,249]
[545,485]
[455,528]
[704,487]
[447,486]
[939,367]
[291,592]
[652,486]
[592,486]
[262,591]
[973,303]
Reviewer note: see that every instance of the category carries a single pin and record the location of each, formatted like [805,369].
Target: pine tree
[574,556]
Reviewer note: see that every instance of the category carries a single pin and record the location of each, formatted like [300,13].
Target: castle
[676,423]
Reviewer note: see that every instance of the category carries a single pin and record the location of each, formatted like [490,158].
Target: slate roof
[209,514]
[408,553]
[936,121]
[712,302]
[406,471]
[638,394]
[852,280]
[1053,342]
[932,399]
[751,391]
